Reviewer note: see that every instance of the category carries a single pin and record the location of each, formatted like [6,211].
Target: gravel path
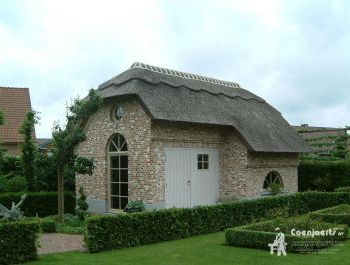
[54,243]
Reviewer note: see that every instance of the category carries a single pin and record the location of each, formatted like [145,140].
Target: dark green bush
[259,235]
[323,175]
[339,214]
[127,230]
[16,184]
[41,203]
[48,226]
[343,189]
[18,241]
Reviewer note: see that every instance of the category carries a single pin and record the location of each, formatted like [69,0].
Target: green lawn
[207,249]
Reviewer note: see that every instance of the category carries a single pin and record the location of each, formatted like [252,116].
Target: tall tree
[2,121]
[66,139]
[29,149]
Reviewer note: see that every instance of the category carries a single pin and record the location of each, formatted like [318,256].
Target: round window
[119,112]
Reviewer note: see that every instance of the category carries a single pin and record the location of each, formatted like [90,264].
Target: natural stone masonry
[242,173]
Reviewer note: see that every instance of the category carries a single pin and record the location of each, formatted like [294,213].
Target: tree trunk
[60,189]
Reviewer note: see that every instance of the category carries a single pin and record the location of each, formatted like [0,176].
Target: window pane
[124,147]
[124,202]
[115,175]
[205,165]
[199,158]
[112,147]
[114,161]
[124,189]
[123,175]
[200,165]
[115,203]
[123,161]
[205,157]
[115,188]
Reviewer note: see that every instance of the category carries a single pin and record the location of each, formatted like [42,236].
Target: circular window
[119,111]
[272,179]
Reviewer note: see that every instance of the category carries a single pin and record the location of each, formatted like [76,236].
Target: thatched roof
[183,97]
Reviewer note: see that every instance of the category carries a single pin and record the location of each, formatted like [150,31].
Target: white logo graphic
[278,244]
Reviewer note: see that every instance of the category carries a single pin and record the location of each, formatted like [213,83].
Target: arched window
[118,172]
[273,178]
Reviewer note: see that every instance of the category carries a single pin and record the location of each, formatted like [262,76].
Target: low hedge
[339,214]
[323,175]
[18,241]
[41,203]
[259,235]
[128,230]
[343,189]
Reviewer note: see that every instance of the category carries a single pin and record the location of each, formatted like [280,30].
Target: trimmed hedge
[339,214]
[343,189]
[128,230]
[18,241]
[323,175]
[41,203]
[259,235]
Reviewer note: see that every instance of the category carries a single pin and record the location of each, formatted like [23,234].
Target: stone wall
[242,173]
[135,126]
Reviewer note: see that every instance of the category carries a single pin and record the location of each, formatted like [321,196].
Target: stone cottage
[176,139]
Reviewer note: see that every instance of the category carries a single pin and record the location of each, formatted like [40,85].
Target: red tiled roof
[15,103]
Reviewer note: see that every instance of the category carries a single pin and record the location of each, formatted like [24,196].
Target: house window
[273,178]
[118,172]
[119,112]
[203,161]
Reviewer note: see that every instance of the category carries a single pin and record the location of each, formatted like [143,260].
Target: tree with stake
[29,149]
[66,139]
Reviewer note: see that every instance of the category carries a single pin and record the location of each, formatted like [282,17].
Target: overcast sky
[294,54]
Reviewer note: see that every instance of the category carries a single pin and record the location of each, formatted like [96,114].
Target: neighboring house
[15,103]
[321,139]
[175,139]
[44,144]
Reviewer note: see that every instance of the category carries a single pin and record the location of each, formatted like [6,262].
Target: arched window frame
[118,172]
[273,177]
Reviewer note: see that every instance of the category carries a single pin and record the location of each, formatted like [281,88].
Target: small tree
[66,139]
[2,121]
[29,149]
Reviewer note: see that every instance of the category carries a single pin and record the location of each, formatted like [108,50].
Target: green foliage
[137,205]
[82,205]
[323,176]
[66,140]
[29,149]
[10,166]
[275,188]
[71,225]
[18,241]
[47,226]
[259,235]
[41,203]
[127,230]
[339,214]
[343,189]
[16,184]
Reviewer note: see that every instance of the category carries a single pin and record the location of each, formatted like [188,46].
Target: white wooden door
[187,183]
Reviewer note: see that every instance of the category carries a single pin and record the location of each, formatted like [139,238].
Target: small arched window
[273,178]
[118,144]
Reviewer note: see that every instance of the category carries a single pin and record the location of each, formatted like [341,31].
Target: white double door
[191,177]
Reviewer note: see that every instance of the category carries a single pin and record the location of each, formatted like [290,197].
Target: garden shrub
[343,189]
[47,226]
[16,184]
[18,241]
[259,235]
[323,175]
[339,214]
[39,203]
[127,230]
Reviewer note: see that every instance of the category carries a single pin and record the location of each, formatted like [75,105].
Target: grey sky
[294,54]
